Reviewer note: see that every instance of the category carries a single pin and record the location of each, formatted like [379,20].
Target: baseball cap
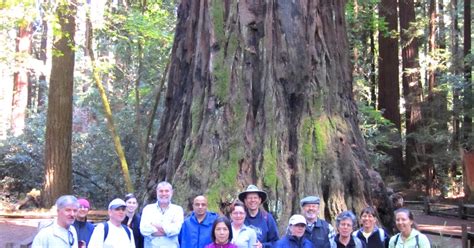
[297,219]
[116,203]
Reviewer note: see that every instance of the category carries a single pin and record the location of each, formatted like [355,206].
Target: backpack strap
[396,240]
[358,243]
[106,230]
[381,234]
[127,230]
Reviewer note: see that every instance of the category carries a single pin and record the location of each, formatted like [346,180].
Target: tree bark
[261,92]
[20,91]
[108,112]
[58,164]
[456,70]
[388,83]
[468,95]
[412,89]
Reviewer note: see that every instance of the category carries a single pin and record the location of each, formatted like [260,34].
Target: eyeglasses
[70,238]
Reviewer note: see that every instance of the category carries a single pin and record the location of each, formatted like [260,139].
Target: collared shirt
[170,219]
[116,237]
[55,236]
[410,242]
[244,238]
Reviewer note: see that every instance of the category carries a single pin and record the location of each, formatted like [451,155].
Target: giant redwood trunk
[58,164]
[261,92]
[389,85]
[412,89]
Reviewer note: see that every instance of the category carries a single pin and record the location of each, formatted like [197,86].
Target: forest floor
[22,229]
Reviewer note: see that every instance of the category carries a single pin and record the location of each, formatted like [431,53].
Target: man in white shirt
[161,221]
[60,233]
[112,234]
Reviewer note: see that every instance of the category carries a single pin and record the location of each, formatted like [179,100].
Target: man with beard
[113,233]
[60,233]
[318,231]
[161,221]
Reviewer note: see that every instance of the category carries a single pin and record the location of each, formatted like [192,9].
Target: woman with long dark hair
[132,219]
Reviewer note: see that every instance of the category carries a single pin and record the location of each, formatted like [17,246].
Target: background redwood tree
[261,92]
[58,164]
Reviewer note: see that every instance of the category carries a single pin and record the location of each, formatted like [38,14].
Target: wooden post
[427,205]
[464,236]
[462,211]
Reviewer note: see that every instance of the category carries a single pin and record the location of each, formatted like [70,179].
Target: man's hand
[258,245]
[160,231]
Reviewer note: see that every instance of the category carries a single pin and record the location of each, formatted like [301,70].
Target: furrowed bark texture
[261,92]
[58,162]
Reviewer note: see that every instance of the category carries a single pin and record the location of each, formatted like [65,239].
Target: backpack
[398,236]
[106,230]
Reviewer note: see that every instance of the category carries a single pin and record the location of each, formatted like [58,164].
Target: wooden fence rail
[467,236]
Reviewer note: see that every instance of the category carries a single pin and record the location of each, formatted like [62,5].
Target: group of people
[248,225]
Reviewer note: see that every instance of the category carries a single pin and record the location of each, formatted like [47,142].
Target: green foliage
[21,158]
[377,132]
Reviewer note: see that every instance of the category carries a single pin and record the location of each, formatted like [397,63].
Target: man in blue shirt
[257,218]
[196,229]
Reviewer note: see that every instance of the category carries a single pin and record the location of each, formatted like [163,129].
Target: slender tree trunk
[456,70]
[42,84]
[58,164]
[373,75]
[108,113]
[261,92]
[412,89]
[468,95]
[20,91]
[388,83]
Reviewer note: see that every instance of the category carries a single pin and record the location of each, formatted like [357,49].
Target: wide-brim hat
[253,189]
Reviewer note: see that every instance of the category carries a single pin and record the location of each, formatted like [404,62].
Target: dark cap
[310,200]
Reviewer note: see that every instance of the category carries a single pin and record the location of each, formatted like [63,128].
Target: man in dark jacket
[257,218]
[318,231]
[295,238]
[196,229]
[84,228]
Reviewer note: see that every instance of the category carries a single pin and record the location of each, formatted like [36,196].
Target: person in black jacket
[372,235]
[295,237]
[84,228]
[132,219]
